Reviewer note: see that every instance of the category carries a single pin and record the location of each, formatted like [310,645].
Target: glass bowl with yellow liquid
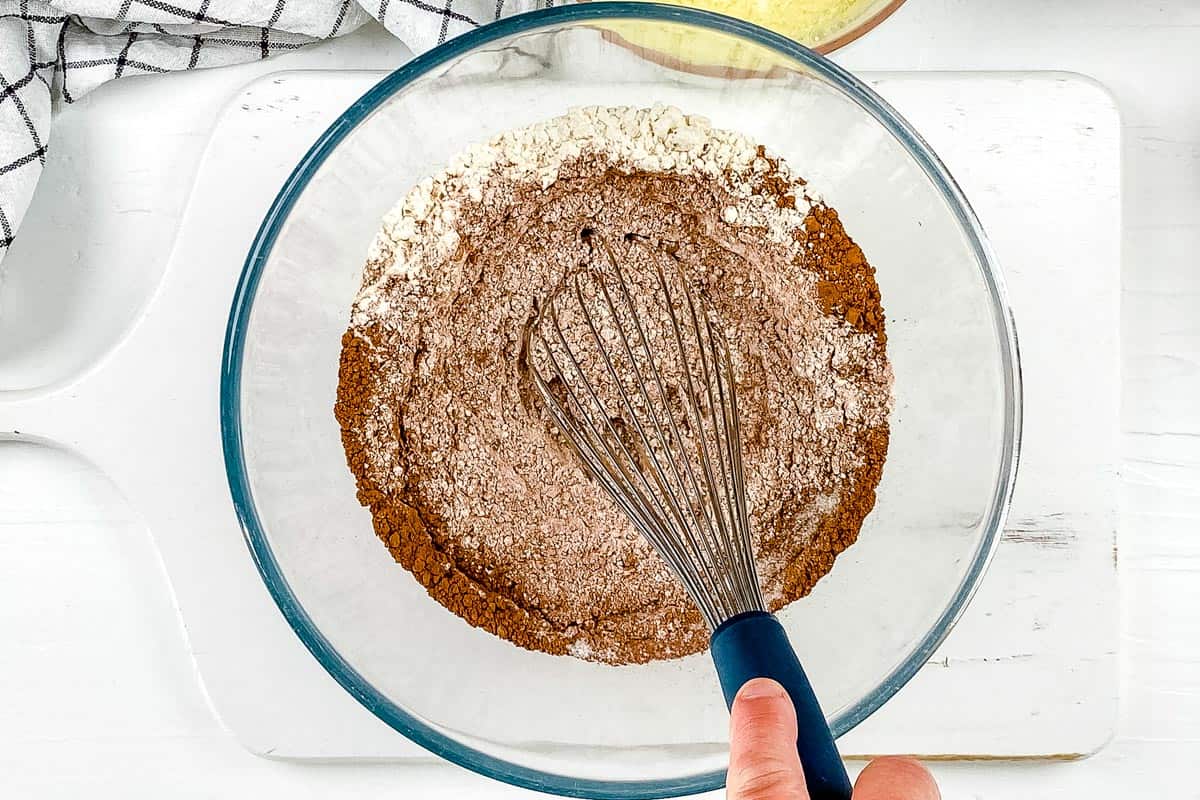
[820,25]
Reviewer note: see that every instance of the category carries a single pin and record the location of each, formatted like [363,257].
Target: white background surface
[96,690]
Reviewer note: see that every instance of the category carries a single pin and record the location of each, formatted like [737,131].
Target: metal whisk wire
[676,472]
[675,469]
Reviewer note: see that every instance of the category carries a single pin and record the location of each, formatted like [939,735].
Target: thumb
[763,762]
[895,778]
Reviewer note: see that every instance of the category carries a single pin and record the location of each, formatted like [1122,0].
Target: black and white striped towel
[61,49]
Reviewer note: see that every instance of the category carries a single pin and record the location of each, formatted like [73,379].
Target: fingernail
[760,689]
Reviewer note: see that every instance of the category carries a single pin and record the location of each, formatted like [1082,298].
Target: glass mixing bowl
[555,723]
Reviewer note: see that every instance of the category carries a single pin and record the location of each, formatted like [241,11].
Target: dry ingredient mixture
[469,485]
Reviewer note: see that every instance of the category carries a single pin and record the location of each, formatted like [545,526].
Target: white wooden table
[96,689]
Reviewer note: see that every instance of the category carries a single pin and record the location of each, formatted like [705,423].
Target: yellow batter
[809,22]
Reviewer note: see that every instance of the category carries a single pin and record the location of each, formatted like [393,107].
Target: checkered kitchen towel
[62,49]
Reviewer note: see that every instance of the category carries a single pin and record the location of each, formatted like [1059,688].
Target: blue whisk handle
[754,645]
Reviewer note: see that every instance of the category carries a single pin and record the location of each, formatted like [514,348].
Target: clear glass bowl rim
[235,335]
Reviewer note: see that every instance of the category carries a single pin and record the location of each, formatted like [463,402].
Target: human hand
[763,764]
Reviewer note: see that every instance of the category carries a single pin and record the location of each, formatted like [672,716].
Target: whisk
[639,380]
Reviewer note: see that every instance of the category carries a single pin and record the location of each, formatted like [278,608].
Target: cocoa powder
[471,489]
[847,287]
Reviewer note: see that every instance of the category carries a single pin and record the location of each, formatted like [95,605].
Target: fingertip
[896,778]
[759,689]
[763,762]
[762,713]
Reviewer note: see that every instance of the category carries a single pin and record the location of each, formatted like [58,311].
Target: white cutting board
[1030,671]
